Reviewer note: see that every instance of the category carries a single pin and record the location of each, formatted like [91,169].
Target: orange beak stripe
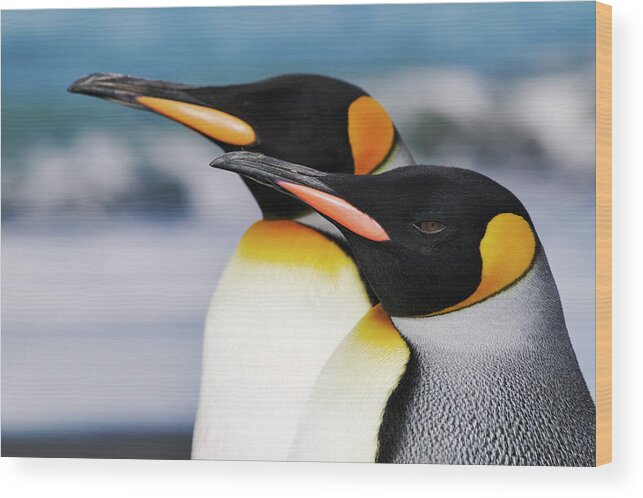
[339,210]
[217,125]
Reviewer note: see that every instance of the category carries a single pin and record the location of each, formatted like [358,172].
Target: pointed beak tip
[78,85]
[84,82]
[225,161]
[74,87]
[94,82]
[239,155]
[216,162]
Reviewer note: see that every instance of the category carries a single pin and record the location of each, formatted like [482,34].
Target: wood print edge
[603,234]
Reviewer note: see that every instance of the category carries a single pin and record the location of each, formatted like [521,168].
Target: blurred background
[115,230]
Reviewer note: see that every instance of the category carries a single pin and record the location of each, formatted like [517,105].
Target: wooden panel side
[603,234]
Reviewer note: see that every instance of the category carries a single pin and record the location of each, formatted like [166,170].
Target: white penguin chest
[287,298]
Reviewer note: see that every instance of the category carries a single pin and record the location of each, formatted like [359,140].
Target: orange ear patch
[339,210]
[370,132]
[217,125]
[507,250]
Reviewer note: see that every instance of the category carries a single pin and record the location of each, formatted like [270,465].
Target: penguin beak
[305,184]
[126,90]
[171,100]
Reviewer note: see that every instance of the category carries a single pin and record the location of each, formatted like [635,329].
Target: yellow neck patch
[507,250]
[217,125]
[370,132]
[289,243]
[346,407]
[376,330]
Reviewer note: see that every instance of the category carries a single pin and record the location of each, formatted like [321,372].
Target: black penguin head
[429,239]
[325,123]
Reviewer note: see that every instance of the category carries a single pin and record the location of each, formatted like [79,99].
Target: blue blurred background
[115,230]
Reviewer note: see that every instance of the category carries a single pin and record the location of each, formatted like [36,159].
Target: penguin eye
[430,227]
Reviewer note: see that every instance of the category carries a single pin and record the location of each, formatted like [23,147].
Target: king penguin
[467,358]
[290,292]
